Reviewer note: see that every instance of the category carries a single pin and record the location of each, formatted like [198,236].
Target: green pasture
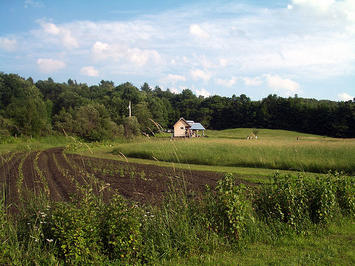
[243,133]
[274,149]
[19,144]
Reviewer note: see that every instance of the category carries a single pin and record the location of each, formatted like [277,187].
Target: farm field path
[61,176]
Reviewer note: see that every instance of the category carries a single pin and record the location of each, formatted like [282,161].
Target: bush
[284,200]
[75,231]
[229,210]
[120,231]
[303,200]
[131,127]
[345,193]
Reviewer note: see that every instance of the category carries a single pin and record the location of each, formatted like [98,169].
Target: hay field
[274,149]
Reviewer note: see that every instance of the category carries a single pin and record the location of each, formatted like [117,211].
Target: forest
[100,112]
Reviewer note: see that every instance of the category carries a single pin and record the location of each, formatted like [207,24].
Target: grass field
[274,149]
[334,246]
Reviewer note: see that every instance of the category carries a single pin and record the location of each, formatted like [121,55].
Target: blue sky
[286,47]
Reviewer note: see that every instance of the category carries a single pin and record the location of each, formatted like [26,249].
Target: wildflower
[49,240]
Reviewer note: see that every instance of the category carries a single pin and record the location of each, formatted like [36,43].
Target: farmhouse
[187,129]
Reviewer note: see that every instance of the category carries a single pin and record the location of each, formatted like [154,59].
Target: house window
[181,127]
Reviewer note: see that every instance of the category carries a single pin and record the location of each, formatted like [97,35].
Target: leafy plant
[120,231]
[303,200]
[229,210]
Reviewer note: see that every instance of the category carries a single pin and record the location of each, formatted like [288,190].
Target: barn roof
[197,126]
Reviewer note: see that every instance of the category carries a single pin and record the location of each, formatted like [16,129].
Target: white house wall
[179,129]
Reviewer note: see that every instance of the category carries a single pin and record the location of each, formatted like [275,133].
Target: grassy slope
[26,144]
[242,133]
[255,175]
[274,149]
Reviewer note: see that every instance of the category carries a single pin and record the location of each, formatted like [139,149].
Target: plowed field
[62,175]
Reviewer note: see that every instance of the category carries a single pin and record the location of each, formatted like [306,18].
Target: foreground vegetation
[229,222]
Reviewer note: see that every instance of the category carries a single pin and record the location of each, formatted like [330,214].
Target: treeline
[100,111]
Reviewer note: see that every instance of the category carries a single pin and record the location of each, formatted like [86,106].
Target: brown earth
[62,176]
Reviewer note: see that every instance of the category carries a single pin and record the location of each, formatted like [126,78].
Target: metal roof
[197,126]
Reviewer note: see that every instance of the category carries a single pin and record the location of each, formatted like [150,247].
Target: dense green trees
[23,107]
[100,111]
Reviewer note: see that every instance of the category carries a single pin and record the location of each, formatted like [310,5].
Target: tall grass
[304,155]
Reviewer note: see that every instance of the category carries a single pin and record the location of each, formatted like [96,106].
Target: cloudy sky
[255,47]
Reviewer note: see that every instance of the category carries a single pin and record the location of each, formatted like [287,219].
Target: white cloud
[174,90]
[101,50]
[286,87]
[345,97]
[173,78]
[319,5]
[141,57]
[63,33]
[50,28]
[32,3]
[48,65]
[89,71]
[226,82]
[202,92]
[344,9]
[8,44]
[136,56]
[200,74]
[223,62]
[252,81]
[248,81]
[197,31]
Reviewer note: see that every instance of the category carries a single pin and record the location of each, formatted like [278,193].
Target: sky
[252,47]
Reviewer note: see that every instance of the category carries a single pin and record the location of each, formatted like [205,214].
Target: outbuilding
[187,129]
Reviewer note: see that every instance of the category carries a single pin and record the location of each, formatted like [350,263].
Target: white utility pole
[129,109]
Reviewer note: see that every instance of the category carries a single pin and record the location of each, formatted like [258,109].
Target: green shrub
[303,200]
[229,211]
[120,231]
[321,199]
[345,193]
[284,200]
[131,127]
[74,228]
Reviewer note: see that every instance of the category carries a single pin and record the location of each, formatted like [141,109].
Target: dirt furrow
[32,182]
[147,183]
[63,175]
[59,187]
[9,174]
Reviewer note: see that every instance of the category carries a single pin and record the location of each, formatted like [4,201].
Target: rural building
[187,129]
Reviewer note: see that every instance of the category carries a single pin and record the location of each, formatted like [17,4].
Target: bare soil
[65,175]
